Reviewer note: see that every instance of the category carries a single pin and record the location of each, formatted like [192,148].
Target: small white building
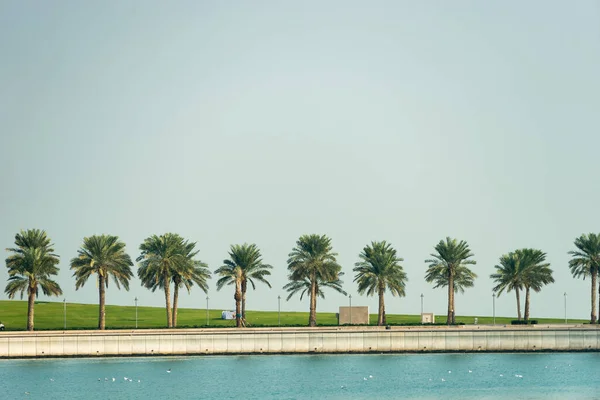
[427,318]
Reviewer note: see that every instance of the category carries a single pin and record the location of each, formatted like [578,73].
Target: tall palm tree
[535,273]
[314,260]
[508,277]
[304,286]
[379,269]
[161,258]
[585,262]
[193,271]
[451,261]
[30,267]
[105,256]
[244,265]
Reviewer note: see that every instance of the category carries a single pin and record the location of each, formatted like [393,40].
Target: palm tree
[244,265]
[105,256]
[585,262]
[193,271]
[313,259]
[163,257]
[535,273]
[30,267]
[449,267]
[303,287]
[508,277]
[378,270]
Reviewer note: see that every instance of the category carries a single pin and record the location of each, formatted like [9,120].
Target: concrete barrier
[297,340]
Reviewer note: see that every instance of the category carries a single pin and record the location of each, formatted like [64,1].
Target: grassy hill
[49,316]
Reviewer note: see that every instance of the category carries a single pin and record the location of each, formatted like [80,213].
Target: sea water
[389,376]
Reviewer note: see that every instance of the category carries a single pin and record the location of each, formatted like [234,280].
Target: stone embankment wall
[297,340]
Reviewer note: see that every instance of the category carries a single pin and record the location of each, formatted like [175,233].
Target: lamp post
[65,313]
[350,298]
[494,307]
[279,310]
[136,314]
[422,303]
[207,319]
[566,321]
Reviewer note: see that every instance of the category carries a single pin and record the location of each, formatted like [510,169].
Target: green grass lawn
[49,316]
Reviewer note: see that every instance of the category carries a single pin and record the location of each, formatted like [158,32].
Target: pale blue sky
[232,122]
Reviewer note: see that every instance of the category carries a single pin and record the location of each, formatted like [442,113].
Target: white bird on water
[169,371]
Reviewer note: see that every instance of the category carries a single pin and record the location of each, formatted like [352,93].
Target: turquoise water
[406,376]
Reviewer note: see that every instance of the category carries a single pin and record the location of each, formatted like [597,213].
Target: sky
[257,122]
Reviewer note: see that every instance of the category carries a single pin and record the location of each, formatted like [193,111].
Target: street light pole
[136,314]
[422,303]
[279,310]
[494,306]
[350,297]
[566,321]
[65,313]
[207,319]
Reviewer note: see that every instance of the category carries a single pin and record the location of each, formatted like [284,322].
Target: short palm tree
[585,262]
[190,273]
[30,267]
[379,269]
[450,262]
[105,256]
[535,273]
[163,257]
[508,277]
[313,259]
[243,265]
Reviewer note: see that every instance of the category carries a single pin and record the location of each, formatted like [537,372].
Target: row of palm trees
[169,261]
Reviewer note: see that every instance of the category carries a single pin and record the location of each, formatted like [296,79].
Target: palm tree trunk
[598,320]
[312,318]
[101,302]
[30,306]
[381,316]
[244,287]
[450,316]
[518,304]
[594,284]
[527,299]
[175,302]
[168,303]
[238,304]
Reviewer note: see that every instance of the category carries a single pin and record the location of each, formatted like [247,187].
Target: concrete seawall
[298,340]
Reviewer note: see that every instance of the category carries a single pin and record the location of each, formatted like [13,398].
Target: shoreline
[306,340]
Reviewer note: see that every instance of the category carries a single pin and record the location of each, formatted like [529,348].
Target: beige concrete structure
[427,318]
[297,340]
[358,315]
